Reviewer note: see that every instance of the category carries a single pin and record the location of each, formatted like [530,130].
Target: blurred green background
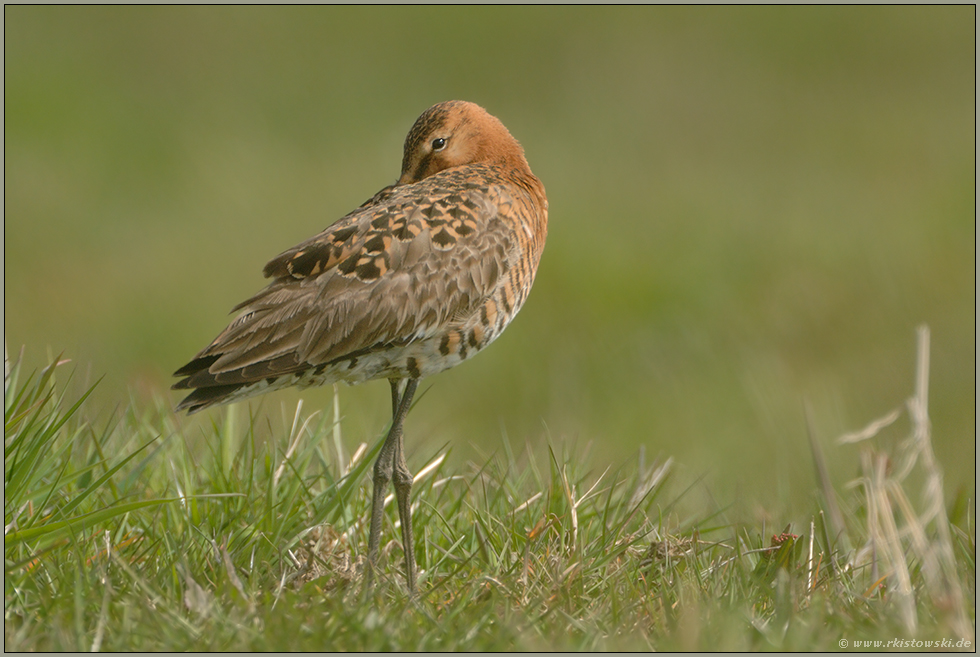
[750,207]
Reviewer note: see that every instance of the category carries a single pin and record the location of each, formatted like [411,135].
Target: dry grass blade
[926,532]
[569,490]
[809,558]
[871,430]
[885,536]
[944,580]
[294,437]
[531,500]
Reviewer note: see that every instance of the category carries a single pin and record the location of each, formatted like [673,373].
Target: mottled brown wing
[386,274]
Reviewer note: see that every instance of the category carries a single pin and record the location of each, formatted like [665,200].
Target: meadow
[751,212]
[127,536]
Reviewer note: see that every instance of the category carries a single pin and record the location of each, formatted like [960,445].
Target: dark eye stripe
[421,167]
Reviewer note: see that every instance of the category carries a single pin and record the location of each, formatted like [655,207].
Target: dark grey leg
[391,460]
[403,488]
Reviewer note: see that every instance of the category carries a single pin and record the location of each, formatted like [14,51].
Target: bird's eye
[438,144]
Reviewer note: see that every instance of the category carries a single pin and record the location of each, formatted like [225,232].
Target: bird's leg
[403,487]
[382,476]
[383,468]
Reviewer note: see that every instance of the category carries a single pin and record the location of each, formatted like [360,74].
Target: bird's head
[455,133]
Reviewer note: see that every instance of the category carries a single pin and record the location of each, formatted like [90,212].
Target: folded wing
[398,269]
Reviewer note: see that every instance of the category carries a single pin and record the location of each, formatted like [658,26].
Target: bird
[419,278]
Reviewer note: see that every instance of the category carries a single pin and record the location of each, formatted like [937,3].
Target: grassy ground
[134,533]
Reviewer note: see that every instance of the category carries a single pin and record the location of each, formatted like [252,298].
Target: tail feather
[194,367]
[210,388]
[205,389]
[202,398]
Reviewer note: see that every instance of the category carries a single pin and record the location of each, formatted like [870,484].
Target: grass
[133,533]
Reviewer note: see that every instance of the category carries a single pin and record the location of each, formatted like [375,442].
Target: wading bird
[419,278]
